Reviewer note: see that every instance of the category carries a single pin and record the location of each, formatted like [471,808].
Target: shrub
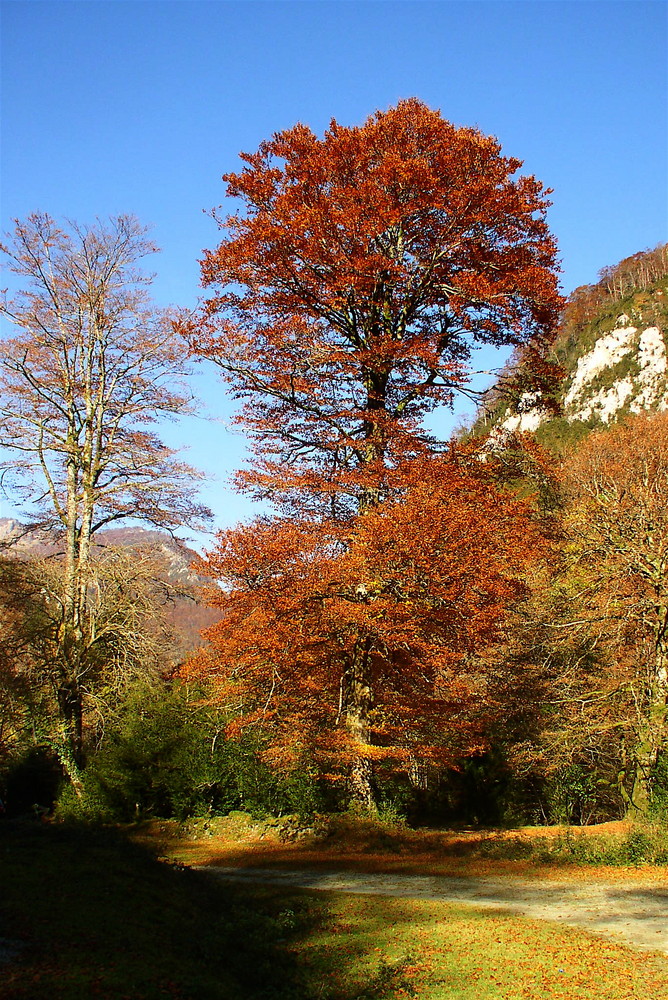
[166,755]
[659,790]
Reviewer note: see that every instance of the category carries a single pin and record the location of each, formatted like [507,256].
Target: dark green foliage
[659,788]
[32,783]
[478,792]
[561,436]
[482,791]
[159,759]
[571,795]
[166,755]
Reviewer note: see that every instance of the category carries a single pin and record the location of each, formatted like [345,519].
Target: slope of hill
[173,561]
[613,348]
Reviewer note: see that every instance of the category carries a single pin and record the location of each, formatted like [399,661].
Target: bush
[571,795]
[33,782]
[166,756]
[641,845]
[659,790]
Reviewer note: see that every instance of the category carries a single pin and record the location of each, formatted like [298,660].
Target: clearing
[520,872]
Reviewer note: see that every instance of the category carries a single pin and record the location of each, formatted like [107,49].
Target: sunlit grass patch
[376,845]
[441,951]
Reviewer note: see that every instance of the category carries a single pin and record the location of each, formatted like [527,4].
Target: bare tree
[93,367]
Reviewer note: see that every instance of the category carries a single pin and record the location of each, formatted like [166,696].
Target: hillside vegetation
[611,347]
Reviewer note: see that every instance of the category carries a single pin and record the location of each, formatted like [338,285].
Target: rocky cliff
[612,347]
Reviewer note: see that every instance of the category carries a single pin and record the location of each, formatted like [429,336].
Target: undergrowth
[642,845]
[353,833]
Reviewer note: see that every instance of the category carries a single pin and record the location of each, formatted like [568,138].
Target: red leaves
[367,265]
[347,297]
[427,579]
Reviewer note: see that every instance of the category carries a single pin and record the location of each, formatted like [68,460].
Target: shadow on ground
[86,913]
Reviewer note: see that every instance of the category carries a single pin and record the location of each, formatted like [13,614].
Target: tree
[350,295]
[562,727]
[618,521]
[356,643]
[348,298]
[93,366]
[125,637]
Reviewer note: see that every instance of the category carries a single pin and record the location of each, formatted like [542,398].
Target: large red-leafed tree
[365,643]
[352,284]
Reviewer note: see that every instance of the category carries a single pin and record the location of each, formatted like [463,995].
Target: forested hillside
[178,587]
[611,347]
[604,631]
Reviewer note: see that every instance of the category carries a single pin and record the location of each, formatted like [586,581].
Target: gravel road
[629,912]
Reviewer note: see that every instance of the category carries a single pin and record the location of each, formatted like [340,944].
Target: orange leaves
[425,581]
[617,519]
[618,487]
[348,295]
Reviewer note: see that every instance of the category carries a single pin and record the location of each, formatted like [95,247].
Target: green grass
[444,952]
[98,916]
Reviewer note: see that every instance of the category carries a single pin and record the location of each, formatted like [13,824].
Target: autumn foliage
[349,292]
[393,613]
[617,519]
[347,296]
[463,626]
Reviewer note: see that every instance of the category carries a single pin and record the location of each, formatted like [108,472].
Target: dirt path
[629,912]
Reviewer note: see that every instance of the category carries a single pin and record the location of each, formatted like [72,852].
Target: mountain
[177,558]
[612,346]
[175,564]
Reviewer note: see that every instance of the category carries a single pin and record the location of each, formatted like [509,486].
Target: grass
[99,916]
[96,915]
[372,845]
[442,951]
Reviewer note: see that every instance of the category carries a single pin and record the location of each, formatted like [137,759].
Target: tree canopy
[349,291]
[617,485]
[352,284]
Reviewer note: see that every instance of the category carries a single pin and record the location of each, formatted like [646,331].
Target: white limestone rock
[645,389]
[608,351]
[528,417]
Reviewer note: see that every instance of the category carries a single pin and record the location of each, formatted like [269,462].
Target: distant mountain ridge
[179,559]
[175,560]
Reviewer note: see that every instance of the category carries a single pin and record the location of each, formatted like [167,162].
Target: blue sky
[111,107]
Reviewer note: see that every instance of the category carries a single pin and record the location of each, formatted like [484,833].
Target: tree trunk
[359,699]
[652,738]
[70,704]
[72,639]
[639,799]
